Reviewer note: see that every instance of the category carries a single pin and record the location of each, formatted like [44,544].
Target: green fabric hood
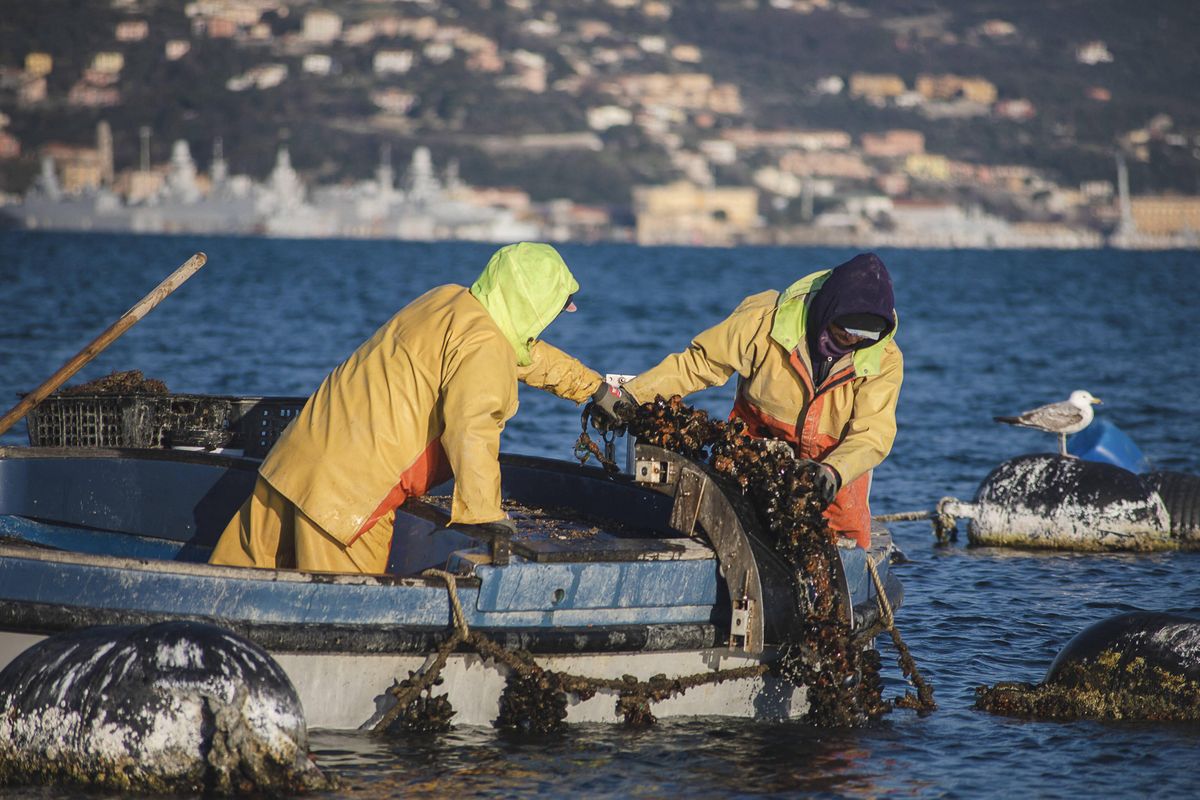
[524,287]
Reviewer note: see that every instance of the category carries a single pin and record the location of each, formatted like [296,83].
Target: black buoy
[1170,642]
[181,707]
[1052,501]
[1180,493]
[1137,666]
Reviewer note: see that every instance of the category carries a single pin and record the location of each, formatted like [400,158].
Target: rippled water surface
[983,333]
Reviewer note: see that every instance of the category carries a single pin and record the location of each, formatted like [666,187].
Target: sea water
[983,333]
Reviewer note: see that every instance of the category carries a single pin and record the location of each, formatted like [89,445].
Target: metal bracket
[654,471]
[698,503]
[741,624]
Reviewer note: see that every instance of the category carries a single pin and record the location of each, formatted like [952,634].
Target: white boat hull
[350,692]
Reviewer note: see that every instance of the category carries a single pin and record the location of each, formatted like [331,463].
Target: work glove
[826,481]
[498,534]
[611,408]
[826,484]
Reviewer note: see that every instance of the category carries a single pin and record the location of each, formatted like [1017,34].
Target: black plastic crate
[251,424]
[260,421]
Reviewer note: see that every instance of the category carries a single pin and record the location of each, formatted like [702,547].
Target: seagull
[1070,416]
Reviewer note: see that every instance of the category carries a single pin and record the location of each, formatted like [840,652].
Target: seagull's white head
[1082,398]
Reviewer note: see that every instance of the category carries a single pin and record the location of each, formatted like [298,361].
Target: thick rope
[923,702]
[409,690]
[944,518]
[460,619]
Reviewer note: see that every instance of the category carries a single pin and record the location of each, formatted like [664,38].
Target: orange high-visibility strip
[428,470]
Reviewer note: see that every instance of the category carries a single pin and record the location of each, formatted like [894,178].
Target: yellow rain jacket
[848,422]
[428,395]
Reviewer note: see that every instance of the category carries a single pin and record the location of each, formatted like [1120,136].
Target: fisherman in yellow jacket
[424,398]
[817,367]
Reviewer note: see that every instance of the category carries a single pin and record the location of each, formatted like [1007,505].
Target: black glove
[498,534]
[827,482]
[611,408]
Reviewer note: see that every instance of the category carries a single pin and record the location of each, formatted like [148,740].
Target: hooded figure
[817,367]
[424,399]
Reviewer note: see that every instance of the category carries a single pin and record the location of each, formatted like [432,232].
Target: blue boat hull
[118,537]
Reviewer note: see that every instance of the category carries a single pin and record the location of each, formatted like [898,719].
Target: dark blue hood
[860,286]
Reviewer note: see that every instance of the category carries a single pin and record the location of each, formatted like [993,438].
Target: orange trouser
[270,532]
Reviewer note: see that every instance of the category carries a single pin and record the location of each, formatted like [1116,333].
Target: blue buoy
[1104,442]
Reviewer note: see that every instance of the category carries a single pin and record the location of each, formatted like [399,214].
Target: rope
[923,702]
[411,688]
[629,688]
[460,619]
[944,518]
[904,516]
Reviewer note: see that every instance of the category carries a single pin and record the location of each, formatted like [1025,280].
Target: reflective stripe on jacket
[849,422]
[426,396]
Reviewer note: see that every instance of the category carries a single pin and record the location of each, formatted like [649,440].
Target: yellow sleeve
[558,373]
[730,346]
[478,397]
[872,428]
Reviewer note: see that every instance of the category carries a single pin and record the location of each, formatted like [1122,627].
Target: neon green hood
[524,287]
[791,323]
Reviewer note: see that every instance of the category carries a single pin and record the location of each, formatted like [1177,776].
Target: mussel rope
[924,702]
[943,527]
[659,687]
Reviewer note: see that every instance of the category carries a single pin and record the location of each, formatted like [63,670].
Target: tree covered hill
[776,53]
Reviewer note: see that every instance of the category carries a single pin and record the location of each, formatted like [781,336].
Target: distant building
[893,144]
[656,9]
[652,44]
[689,91]
[108,62]
[317,64]
[928,166]
[875,86]
[10,146]
[1166,215]
[31,91]
[392,62]
[998,29]
[954,87]
[393,100]
[1092,53]
[796,139]
[176,49]
[263,76]
[601,118]
[589,30]
[1019,109]
[38,65]
[849,166]
[719,151]
[681,213]
[132,30]
[686,53]
[321,26]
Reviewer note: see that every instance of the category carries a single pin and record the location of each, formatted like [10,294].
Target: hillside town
[715,174]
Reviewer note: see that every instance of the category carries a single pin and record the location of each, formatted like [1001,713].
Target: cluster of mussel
[1109,687]
[842,675]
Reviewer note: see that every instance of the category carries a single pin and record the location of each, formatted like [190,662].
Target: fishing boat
[662,572]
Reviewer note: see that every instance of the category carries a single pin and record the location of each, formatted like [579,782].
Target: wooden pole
[110,335]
